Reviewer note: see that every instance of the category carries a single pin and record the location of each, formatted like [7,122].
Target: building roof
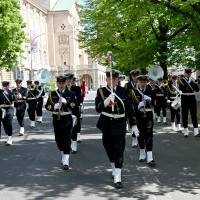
[42,3]
[63,5]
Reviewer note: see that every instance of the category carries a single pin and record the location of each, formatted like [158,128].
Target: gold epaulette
[125,86]
[134,97]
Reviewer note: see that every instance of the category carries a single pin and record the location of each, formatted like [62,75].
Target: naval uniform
[188,101]
[113,125]
[172,92]
[62,126]
[131,86]
[32,103]
[161,96]
[20,104]
[76,111]
[40,100]
[144,117]
[6,99]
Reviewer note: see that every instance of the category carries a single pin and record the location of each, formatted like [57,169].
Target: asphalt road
[30,169]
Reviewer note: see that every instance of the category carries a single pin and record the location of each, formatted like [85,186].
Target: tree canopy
[140,33]
[12,34]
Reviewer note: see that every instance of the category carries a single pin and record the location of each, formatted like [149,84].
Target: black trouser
[39,106]
[63,130]
[32,108]
[114,146]
[145,127]
[20,112]
[161,104]
[7,121]
[177,114]
[189,103]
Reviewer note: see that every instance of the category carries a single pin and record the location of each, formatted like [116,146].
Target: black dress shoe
[118,185]
[179,131]
[185,136]
[141,160]
[79,141]
[152,163]
[74,152]
[165,123]
[65,167]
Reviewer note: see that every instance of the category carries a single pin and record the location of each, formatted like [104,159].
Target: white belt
[62,113]
[5,106]
[115,116]
[172,97]
[188,94]
[19,101]
[31,98]
[146,110]
[159,95]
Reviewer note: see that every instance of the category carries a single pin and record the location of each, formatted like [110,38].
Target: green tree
[11,33]
[140,33]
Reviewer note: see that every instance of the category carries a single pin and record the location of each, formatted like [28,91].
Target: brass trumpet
[165,82]
[31,87]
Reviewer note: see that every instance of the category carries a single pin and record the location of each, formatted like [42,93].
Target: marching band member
[6,99]
[131,86]
[143,99]
[20,104]
[173,91]
[161,97]
[188,102]
[31,101]
[113,123]
[40,100]
[150,85]
[61,102]
[76,111]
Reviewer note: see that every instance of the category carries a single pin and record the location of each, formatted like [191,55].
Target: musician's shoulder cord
[171,90]
[101,93]
[134,96]
[50,98]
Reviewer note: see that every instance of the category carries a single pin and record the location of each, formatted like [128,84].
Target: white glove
[112,98]
[56,106]
[141,104]
[147,98]
[135,130]
[19,96]
[109,100]
[63,100]
[190,80]
[6,92]
[168,101]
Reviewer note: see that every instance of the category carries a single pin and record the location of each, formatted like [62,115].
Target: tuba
[155,72]
[43,75]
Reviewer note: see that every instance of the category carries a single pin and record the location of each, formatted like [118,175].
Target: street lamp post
[31,52]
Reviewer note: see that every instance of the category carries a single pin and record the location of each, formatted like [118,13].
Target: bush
[50,85]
